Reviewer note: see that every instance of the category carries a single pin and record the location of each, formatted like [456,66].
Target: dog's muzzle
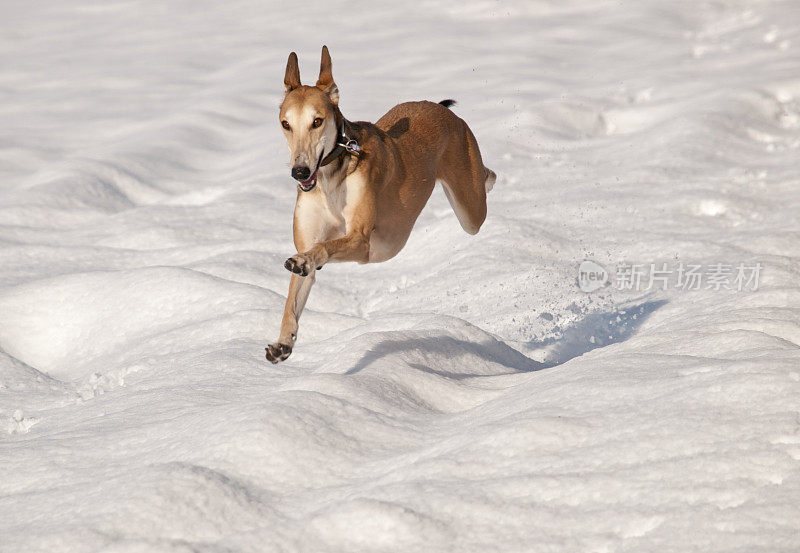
[307,184]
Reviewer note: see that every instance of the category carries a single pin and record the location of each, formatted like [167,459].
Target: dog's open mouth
[309,184]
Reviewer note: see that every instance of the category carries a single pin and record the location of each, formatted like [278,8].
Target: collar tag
[351,146]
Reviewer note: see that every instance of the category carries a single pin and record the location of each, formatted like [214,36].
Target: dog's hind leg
[465,179]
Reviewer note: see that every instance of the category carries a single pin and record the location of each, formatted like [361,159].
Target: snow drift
[464,396]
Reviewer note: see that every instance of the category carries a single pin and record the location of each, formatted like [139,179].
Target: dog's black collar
[344,143]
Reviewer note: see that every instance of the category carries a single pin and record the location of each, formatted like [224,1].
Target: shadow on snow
[593,331]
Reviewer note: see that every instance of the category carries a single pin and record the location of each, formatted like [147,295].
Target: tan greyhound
[361,186]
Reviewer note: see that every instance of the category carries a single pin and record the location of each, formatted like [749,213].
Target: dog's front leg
[352,247]
[295,302]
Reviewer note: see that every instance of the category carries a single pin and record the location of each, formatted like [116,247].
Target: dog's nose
[301,172]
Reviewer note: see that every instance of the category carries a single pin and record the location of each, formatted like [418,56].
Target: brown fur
[363,208]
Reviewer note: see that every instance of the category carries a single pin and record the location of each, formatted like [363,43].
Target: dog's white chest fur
[326,214]
[318,218]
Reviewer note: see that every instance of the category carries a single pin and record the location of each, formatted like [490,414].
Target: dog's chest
[317,220]
[325,215]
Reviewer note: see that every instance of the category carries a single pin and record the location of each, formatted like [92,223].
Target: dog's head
[309,117]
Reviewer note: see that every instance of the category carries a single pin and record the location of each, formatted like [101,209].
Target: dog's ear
[292,78]
[325,81]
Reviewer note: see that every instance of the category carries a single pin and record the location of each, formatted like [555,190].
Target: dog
[361,186]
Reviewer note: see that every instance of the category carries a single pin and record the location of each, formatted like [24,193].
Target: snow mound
[62,325]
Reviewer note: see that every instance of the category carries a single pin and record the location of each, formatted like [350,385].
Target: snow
[464,396]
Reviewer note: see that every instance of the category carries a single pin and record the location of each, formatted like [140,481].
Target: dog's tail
[448,103]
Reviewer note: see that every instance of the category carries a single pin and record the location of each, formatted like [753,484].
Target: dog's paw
[299,264]
[278,352]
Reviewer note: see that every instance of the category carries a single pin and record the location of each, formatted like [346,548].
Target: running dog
[361,186]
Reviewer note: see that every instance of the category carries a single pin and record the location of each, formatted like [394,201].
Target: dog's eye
[285,125]
[316,123]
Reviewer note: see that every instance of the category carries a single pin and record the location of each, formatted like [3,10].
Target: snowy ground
[466,396]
